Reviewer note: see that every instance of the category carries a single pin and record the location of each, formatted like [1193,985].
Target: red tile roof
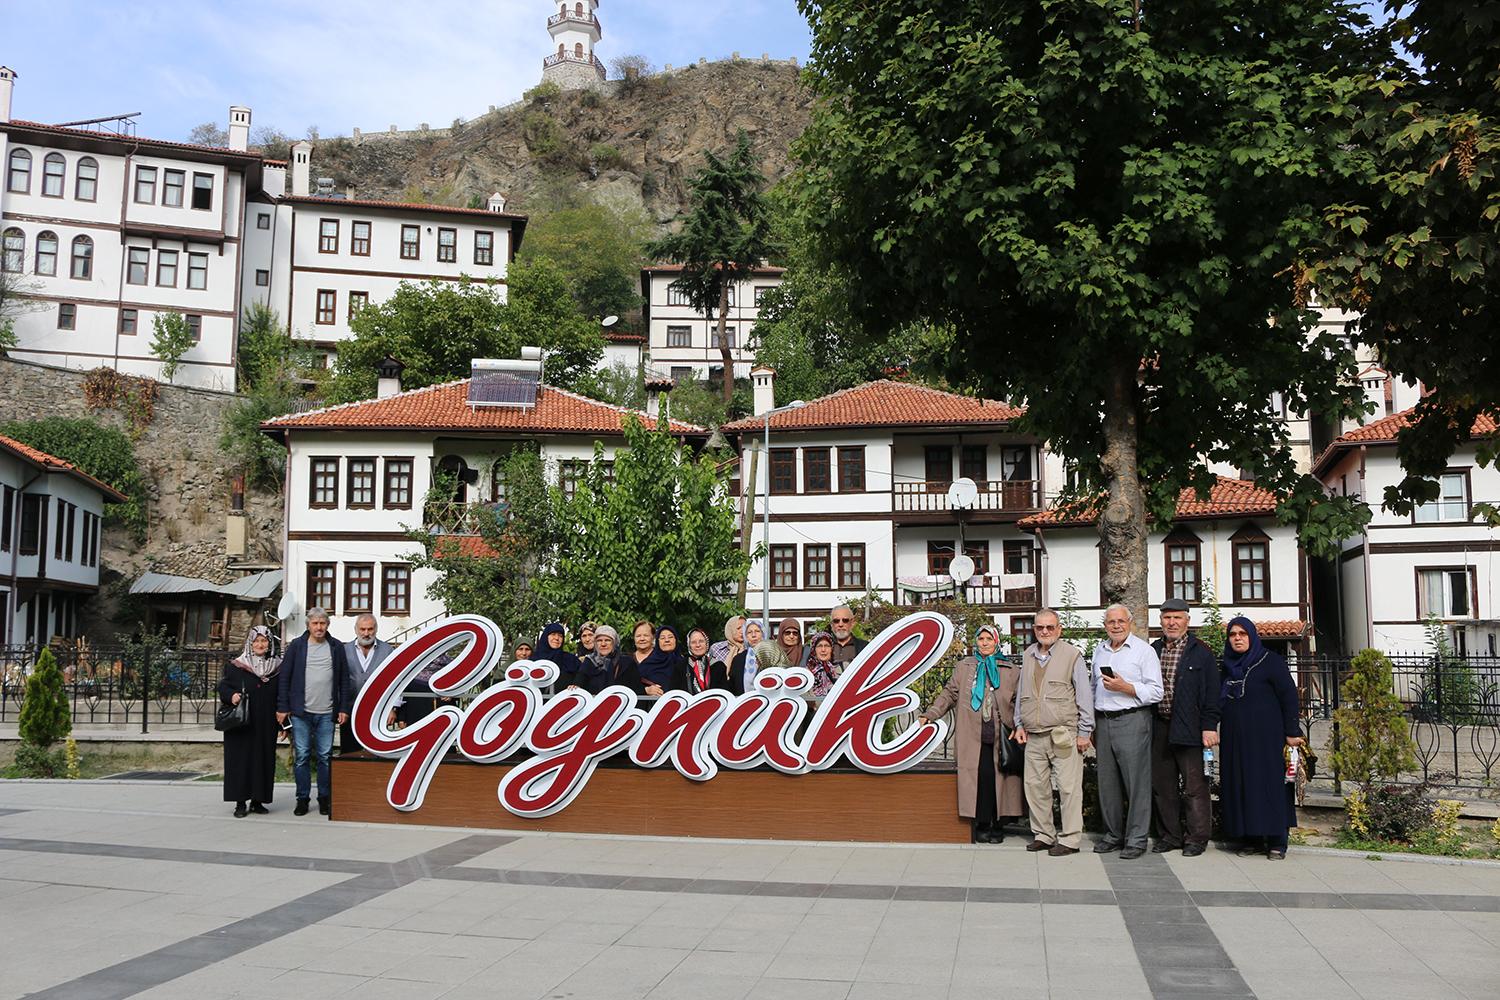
[886,404]
[673,268]
[51,463]
[131,140]
[1227,498]
[472,546]
[362,203]
[1281,630]
[445,407]
[1384,431]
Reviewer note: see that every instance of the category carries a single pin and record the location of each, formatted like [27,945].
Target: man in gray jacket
[1054,719]
[362,655]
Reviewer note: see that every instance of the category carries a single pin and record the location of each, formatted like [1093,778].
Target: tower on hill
[575,31]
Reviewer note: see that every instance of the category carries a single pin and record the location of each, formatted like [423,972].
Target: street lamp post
[765,579]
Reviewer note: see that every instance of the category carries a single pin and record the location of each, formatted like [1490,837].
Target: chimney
[7,83]
[239,128]
[302,168]
[389,373]
[236,521]
[764,379]
[496,202]
[657,386]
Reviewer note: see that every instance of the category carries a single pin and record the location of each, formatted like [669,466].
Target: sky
[338,64]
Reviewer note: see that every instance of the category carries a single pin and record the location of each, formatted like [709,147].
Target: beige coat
[1009,790]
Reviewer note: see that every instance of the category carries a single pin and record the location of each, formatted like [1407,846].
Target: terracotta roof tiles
[1227,498]
[54,464]
[364,203]
[886,404]
[445,407]
[1281,630]
[1384,431]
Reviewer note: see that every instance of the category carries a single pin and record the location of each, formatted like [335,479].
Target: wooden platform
[916,806]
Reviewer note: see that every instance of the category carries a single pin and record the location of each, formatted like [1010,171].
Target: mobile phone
[1107,671]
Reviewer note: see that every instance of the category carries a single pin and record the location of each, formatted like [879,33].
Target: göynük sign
[573,731]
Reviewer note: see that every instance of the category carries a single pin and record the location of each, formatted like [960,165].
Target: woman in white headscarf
[250,751]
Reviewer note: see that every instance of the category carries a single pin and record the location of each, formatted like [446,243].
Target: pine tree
[1373,739]
[45,718]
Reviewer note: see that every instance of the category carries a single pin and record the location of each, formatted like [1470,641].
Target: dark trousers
[347,741]
[984,802]
[1178,785]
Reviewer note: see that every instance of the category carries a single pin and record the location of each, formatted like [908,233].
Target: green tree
[45,717]
[1374,741]
[103,452]
[491,575]
[171,338]
[723,240]
[1417,252]
[1098,198]
[271,363]
[597,247]
[656,542]
[436,328]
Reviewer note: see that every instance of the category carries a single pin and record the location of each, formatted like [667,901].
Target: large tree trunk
[724,348]
[747,519]
[1122,524]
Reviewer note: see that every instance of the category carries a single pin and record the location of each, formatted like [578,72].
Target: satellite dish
[962,493]
[961,569]
[287,607]
[609,321]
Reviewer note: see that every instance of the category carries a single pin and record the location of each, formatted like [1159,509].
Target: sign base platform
[914,806]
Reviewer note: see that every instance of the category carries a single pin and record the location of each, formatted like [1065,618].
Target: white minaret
[575,31]
[7,84]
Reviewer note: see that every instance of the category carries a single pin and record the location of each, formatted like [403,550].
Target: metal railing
[1451,704]
[562,57]
[569,15]
[994,494]
[122,685]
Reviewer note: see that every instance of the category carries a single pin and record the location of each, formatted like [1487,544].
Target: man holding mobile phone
[1127,681]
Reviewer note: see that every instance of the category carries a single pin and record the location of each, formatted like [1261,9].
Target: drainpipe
[11,606]
[1365,542]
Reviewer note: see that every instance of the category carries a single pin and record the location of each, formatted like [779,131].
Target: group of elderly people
[1149,710]
[660,658]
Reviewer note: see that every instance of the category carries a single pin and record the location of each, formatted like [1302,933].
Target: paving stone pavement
[114,890]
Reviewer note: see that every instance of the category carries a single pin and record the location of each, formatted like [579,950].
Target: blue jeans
[305,730]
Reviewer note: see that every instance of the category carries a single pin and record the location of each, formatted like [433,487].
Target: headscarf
[264,667]
[1236,664]
[734,647]
[770,654]
[567,663]
[750,651]
[825,672]
[699,668]
[793,653]
[987,671]
[659,664]
[595,667]
[586,627]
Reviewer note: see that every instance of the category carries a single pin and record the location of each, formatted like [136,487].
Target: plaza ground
[146,889]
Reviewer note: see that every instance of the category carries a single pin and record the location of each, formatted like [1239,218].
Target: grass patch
[95,760]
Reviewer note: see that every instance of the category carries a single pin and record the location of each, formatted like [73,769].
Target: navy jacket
[294,677]
[1195,693]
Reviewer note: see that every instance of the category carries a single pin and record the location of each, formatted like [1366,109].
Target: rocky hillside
[630,144]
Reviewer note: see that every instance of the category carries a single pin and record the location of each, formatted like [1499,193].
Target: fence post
[1338,680]
[145,687]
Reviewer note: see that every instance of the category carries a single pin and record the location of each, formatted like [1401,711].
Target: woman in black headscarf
[549,646]
[250,751]
[663,664]
[605,666]
[1259,721]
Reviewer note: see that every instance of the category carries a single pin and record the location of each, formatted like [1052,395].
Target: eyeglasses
[1044,628]
[842,621]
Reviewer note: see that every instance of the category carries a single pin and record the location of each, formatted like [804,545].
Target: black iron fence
[122,685]
[1451,703]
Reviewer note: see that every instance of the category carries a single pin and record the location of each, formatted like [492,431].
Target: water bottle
[1208,762]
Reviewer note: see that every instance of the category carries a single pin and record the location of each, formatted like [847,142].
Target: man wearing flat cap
[1187,720]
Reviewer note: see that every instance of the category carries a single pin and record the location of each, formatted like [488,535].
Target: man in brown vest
[1055,706]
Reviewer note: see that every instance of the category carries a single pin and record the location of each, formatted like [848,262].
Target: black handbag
[1011,755]
[231,717]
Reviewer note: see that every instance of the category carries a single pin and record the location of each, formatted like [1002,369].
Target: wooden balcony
[998,500]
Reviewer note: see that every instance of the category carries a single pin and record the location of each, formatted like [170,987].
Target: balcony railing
[1012,590]
[568,57]
[569,15]
[994,495]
